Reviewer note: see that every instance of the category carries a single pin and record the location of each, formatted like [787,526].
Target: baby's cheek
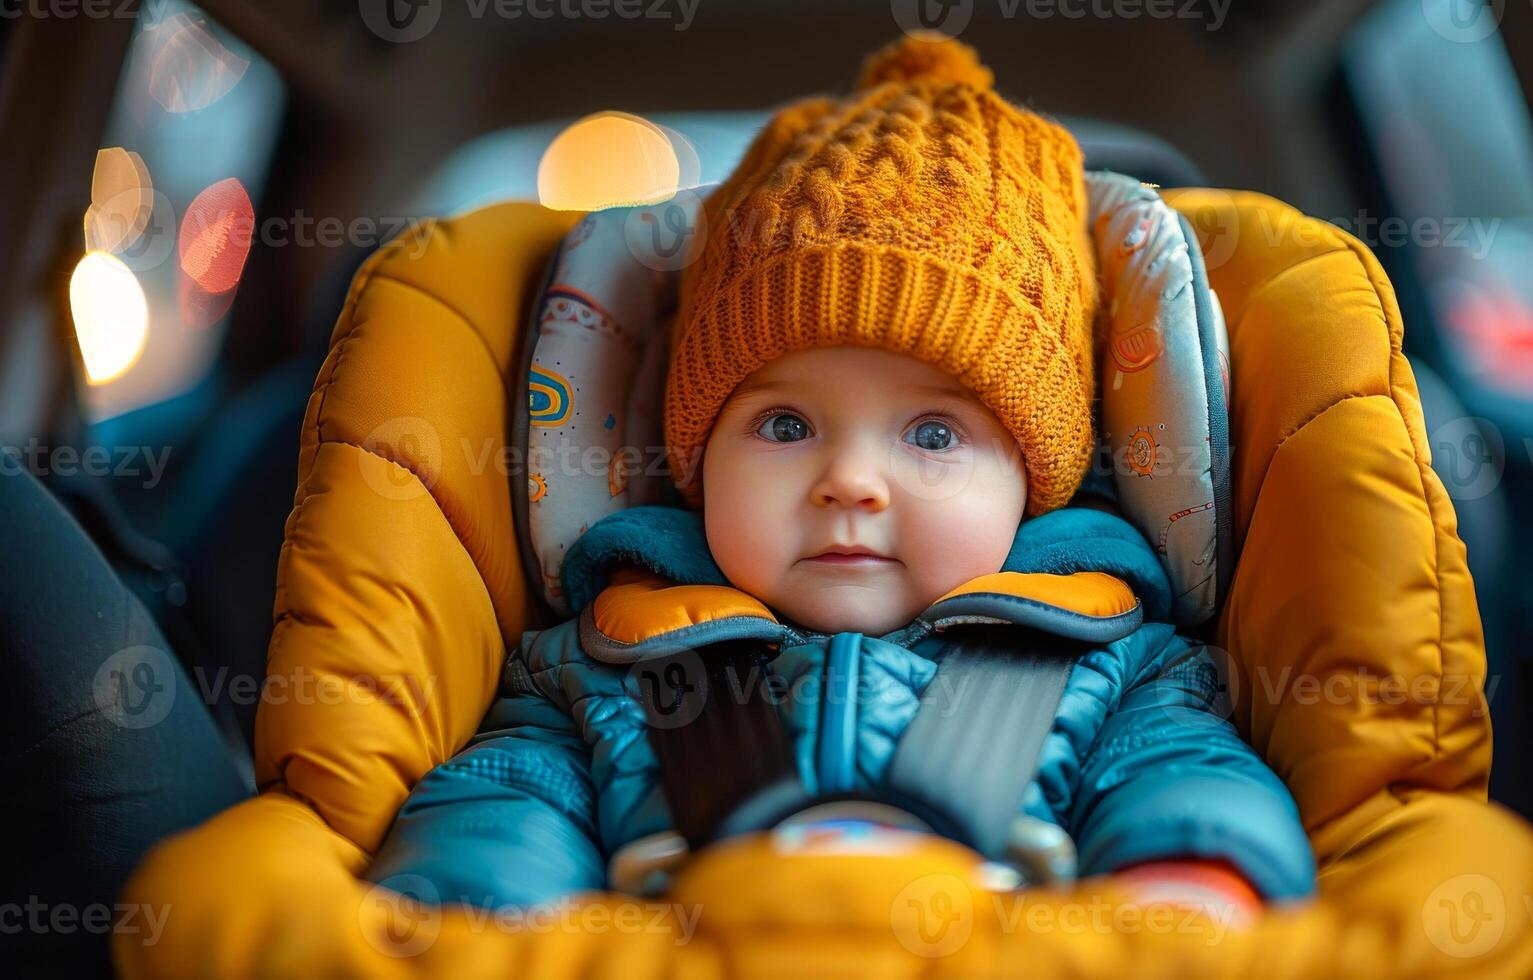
[954,547]
[967,535]
[748,534]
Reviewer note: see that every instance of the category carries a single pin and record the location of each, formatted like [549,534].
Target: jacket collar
[645,585]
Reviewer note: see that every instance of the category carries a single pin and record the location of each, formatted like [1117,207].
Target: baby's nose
[852,481]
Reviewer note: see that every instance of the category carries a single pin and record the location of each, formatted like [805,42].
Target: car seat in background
[503,165]
[1350,620]
[198,551]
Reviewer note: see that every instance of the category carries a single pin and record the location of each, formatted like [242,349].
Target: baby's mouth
[850,558]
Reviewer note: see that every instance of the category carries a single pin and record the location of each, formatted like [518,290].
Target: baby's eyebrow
[750,387]
[963,394]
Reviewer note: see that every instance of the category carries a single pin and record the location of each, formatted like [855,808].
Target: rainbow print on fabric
[549,397]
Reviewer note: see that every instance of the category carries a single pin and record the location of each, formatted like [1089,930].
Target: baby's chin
[847,609]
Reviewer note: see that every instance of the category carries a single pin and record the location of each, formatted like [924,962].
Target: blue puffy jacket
[1139,764]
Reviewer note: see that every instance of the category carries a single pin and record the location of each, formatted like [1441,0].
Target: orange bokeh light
[215,237]
[122,200]
[608,160]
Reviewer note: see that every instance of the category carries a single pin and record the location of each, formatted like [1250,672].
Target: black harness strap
[716,733]
[961,766]
[973,746]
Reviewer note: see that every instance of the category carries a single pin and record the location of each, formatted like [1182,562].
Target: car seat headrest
[1163,387]
[590,427]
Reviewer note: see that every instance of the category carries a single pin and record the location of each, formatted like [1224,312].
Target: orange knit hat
[924,215]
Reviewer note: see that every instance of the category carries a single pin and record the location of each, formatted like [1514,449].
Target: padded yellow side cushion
[1352,614]
[399,583]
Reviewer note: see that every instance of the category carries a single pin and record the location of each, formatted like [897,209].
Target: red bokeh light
[216,232]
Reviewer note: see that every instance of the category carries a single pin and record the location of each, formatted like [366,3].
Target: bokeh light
[689,165]
[609,159]
[189,68]
[1495,326]
[122,200]
[215,237]
[199,308]
[110,313]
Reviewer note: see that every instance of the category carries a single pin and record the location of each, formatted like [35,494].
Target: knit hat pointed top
[922,214]
[925,57]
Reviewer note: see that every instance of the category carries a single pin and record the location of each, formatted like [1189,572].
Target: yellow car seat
[1351,616]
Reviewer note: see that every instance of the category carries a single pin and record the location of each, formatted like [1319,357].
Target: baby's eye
[933,435]
[783,427]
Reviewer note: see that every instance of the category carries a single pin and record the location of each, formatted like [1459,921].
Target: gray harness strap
[973,746]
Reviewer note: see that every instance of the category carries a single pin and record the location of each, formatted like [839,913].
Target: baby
[877,410]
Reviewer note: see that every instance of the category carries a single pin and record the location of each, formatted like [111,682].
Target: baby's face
[854,449]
